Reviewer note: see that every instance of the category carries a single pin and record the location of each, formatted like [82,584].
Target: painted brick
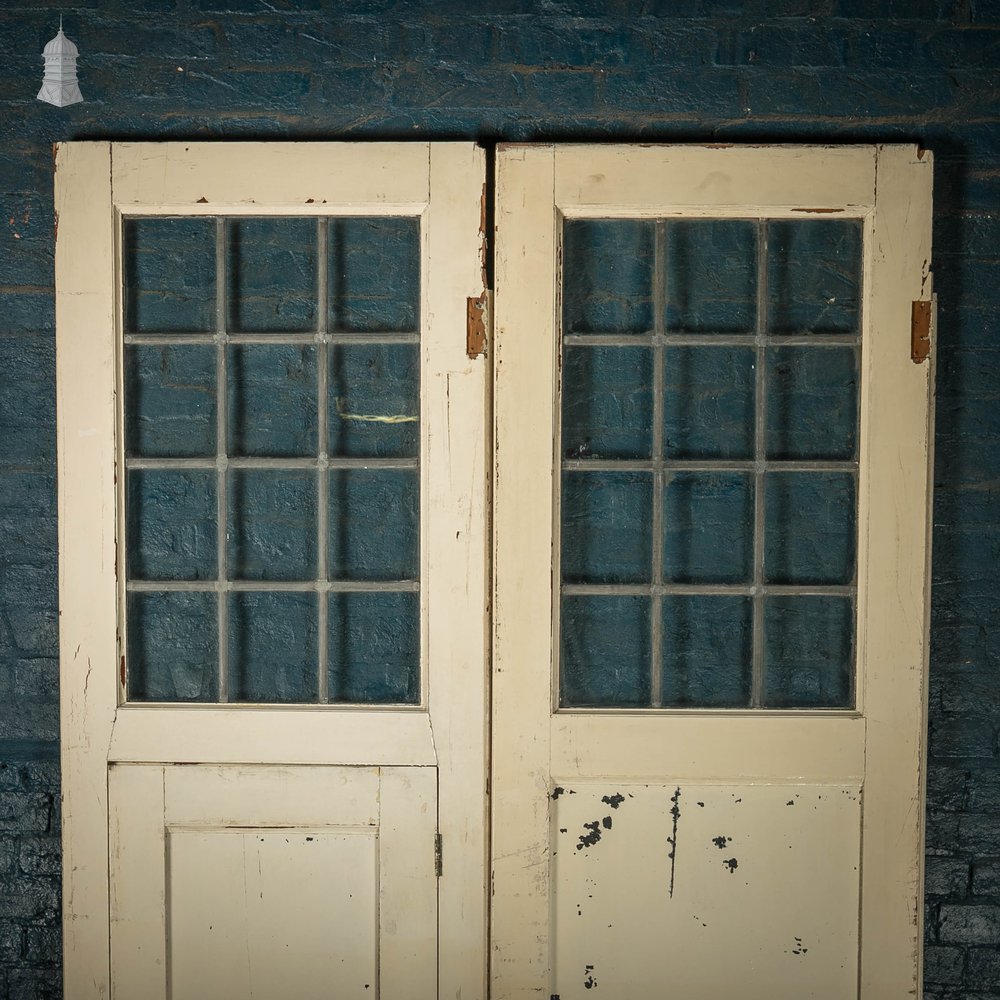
[977,833]
[983,968]
[37,680]
[946,785]
[40,856]
[974,738]
[984,792]
[42,945]
[946,877]
[29,593]
[11,941]
[27,813]
[970,924]
[787,44]
[34,984]
[943,966]
[877,45]
[28,897]
[8,854]
[986,879]
[665,93]
[942,833]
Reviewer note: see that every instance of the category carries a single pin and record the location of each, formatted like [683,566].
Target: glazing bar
[322,466]
[760,454]
[221,452]
[655,610]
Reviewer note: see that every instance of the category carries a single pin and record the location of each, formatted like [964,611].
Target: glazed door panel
[710,553]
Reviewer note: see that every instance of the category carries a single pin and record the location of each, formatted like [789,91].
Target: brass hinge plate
[921,321]
[477,325]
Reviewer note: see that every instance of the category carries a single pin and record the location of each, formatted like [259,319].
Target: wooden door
[272,475]
[711,565]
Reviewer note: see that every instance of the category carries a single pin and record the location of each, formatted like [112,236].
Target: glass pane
[170,518]
[169,275]
[707,651]
[607,402]
[808,652]
[374,400]
[708,402]
[272,400]
[812,402]
[170,401]
[814,276]
[809,528]
[272,525]
[701,409]
[607,527]
[711,276]
[272,647]
[374,275]
[605,652]
[708,528]
[608,276]
[271,275]
[173,647]
[375,648]
[374,524]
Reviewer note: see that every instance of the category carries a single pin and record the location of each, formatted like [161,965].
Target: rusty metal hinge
[477,324]
[921,323]
[438,855]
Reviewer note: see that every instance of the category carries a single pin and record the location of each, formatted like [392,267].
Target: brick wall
[839,70]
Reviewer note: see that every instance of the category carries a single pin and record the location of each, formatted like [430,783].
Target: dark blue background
[833,70]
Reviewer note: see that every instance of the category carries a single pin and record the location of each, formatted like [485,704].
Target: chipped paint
[744,852]
[476,319]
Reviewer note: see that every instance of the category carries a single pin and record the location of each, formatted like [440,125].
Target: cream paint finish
[876,752]
[237,882]
[407,774]
[720,855]
[96,185]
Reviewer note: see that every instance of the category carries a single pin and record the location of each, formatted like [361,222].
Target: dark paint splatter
[721,841]
[557,791]
[589,839]
[606,822]
[675,812]
[732,864]
[589,981]
[790,802]
[613,800]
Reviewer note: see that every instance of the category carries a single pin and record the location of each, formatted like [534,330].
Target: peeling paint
[675,812]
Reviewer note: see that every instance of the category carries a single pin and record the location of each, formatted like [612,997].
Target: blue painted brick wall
[840,70]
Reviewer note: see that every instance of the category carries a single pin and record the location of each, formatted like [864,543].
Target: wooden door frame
[97,183]
[890,188]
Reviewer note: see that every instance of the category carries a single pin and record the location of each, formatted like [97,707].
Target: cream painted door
[711,565]
[273,570]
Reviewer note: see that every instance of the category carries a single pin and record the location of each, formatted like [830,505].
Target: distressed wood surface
[896,429]
[878,745]
[445,188]
[455,528]
[85,374]
[258,177]
[524,393]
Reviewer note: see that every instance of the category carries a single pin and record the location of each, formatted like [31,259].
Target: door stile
[89,650]
[455,448]
[524,390]
[899,443]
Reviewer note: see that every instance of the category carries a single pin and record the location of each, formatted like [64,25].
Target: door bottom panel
[703,891]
